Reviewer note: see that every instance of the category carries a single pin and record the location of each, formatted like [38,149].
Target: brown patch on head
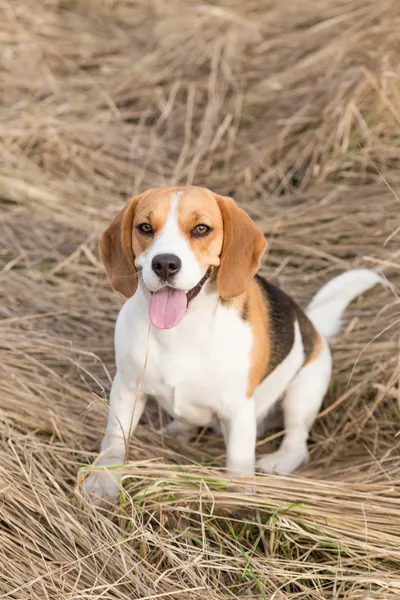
[198,206]
[153,208]
[232,242]
[121,243]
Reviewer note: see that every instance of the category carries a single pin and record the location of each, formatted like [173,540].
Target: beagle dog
[212,341]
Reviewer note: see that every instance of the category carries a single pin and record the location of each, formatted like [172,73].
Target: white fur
[328,304]
[198,370]
[301,403]
[273,386]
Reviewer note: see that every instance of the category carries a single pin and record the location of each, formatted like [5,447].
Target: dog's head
[173,238]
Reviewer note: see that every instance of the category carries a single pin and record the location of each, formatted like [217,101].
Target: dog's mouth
[168,306]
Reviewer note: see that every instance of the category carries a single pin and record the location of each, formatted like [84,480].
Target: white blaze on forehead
[174,208]
[171,240]
[171,232]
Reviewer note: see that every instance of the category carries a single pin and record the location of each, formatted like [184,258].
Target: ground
[293,108]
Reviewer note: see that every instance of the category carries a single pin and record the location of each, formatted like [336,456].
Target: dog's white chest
[197,369]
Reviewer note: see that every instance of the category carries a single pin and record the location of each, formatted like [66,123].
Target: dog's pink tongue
[167,307]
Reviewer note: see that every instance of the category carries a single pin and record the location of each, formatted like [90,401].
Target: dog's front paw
[239,471]
[102,488]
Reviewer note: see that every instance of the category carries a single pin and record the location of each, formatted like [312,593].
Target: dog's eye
[145,229]
[200,230]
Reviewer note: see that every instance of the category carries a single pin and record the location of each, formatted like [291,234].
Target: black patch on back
[283,312]
[282,315]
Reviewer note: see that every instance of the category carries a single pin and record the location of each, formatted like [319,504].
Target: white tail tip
[328,305]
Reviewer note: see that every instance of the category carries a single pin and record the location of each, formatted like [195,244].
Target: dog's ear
[117,253]
[242,249]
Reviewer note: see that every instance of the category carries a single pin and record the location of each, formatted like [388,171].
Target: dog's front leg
[126,408]
[240,433]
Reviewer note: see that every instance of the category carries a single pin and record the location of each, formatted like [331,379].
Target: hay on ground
[293,109]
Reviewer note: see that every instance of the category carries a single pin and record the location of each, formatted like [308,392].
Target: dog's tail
[328,305]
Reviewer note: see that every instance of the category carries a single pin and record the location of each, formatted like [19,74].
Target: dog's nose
[166,265]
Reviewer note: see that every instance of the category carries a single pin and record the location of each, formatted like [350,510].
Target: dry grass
[294,109]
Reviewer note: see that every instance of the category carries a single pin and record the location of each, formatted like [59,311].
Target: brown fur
[121,244]
[258,318]
[312,341]
[317,347]
[242,249]
[234,243]
[199,206]
[272,315]
[116,251]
